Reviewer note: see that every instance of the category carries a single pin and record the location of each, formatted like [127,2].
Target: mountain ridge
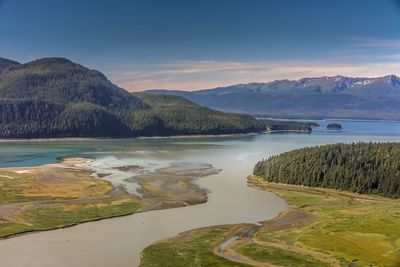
[317,97]
[346,81]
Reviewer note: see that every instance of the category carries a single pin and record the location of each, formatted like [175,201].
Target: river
[119,241]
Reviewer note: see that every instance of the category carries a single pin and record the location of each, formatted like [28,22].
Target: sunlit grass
[348,230]
[195,249]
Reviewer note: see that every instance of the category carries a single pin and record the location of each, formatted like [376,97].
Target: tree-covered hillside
[54,97]
[181,116]
[372,168]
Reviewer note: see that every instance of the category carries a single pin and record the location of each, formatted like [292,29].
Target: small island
[288,126]
[334,126]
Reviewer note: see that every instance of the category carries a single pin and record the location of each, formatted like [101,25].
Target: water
[119,241]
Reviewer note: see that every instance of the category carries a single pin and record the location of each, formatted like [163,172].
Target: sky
[198,44]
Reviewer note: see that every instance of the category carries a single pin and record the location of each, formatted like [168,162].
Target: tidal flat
[70,192]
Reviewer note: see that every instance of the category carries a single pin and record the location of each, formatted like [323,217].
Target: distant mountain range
[55,97]
[323,97]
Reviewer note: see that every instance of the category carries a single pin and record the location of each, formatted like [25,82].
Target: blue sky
[196,44]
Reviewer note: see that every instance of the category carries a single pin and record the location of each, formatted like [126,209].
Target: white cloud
[194,75]
[377,43]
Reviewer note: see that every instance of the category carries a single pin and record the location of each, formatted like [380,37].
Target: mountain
[181,116]
[55,97]
[323,97]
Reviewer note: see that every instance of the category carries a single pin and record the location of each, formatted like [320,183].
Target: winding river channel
[119,241]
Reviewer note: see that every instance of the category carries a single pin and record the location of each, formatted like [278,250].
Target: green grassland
[357,229]
[193,248]
[58,216]
[343,229]
[276,256]
[29,203]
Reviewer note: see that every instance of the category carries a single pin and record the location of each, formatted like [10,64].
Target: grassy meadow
[322,227]
[52,197]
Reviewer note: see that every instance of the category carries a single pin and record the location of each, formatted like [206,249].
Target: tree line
[366,168]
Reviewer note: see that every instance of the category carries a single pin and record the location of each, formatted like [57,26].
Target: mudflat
[66,193]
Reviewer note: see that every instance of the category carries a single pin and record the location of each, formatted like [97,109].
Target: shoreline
[10,140]
[328,119]
[5,140]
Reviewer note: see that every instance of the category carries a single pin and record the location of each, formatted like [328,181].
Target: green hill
[54,97]
[360,167]
[181,116]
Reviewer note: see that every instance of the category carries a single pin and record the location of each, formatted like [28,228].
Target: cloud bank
[194,75]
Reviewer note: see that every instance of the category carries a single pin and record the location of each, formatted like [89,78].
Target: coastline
[327,119]
[5,140]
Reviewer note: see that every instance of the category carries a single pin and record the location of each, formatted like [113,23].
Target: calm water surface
[119,241]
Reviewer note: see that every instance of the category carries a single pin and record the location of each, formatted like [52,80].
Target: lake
[118,241]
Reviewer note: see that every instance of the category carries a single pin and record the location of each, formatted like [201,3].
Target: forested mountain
[372,168]
[181,116]
[54,97]
[324,97]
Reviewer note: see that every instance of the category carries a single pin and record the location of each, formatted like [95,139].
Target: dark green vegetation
[54,97]
[177,116]
[372,168]
[277,125]
[181,116]
[324,97]
[334,126]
